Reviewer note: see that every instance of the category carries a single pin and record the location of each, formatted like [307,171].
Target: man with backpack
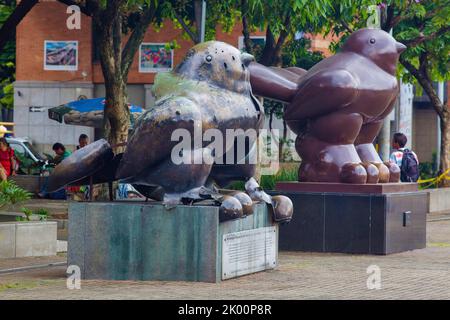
[406,159]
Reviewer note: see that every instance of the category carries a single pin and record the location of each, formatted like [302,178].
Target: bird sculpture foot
[353,173]
[394,171]
[373,174]
[383,172]
[280,206]
[230,208]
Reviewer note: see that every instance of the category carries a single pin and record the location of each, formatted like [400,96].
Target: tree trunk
[269,48]
[283,142]
[245,27]
[270,120]
[445,147]
[421,74]
[276,59]
[198,17]
[117,114]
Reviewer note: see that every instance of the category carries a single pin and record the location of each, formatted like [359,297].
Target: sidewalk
[419,274]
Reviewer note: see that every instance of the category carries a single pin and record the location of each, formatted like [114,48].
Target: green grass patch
[269,182]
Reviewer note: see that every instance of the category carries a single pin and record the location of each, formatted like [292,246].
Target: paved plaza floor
[419,274]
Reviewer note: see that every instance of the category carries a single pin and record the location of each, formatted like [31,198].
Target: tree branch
[194,37]
[276,59]
[422,38]
[425,83]
[8,29]
[387,25]
[132,45]
[346,26]
[245,27]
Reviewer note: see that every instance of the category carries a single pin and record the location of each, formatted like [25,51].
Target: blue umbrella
[86,112]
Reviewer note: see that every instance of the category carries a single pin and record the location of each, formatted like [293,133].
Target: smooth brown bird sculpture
[337,108]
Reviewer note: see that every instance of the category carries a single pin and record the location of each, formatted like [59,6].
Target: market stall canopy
[86,112]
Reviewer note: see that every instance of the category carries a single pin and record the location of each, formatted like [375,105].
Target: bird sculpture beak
[246,58]
[400,47]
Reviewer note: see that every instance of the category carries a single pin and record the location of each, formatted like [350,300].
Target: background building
[43,39]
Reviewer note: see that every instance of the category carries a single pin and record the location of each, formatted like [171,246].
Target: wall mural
[61,55]
[154,57]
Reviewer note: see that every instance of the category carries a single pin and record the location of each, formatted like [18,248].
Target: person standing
[406,159]
[7,160]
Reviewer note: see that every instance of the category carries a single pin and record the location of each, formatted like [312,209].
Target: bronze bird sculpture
[209,90]
[337,108]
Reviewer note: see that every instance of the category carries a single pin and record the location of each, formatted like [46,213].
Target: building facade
[43,40]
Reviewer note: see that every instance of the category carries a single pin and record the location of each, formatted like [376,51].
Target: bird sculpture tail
[93,164]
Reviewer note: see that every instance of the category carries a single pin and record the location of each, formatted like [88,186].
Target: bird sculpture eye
[208,58]
[372,41]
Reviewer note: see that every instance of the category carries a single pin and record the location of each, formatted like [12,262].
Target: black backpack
[410,167]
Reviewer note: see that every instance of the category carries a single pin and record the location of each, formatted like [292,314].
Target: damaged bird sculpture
[209,90]
[337,108]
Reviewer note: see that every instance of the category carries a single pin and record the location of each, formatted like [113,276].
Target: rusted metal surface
[209,89]
[337,108]
[142,241]
[82,164]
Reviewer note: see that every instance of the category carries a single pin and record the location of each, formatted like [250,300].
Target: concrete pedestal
[366,220]
[145,241]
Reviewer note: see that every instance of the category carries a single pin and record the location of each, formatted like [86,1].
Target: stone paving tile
[419,274]
[30,261]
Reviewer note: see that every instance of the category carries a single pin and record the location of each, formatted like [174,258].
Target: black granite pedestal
[363,219]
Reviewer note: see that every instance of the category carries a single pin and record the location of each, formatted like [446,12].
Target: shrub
[269,182]
[10,193]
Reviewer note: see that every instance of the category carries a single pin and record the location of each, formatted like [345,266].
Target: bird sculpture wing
[151,142]
[322,92]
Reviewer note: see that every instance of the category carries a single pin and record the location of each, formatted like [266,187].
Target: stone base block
[27,239]
[365,223]
[146,241]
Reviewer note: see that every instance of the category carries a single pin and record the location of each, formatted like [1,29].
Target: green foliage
[7,62]
[284,174]
[41,213]
[28,213]
[422,25]
[298,53]
[429,170]
[425,19]
[182,12]
[305,15]
[268,182]
[10,193]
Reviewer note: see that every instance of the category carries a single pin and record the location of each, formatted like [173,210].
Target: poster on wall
[258,42]
[154,57]
[61,55]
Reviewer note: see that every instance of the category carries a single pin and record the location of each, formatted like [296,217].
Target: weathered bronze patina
[210,89]
[337,108]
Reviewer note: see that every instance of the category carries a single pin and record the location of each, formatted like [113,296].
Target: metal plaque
[249,251]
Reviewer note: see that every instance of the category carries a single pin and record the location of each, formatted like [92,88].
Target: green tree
[187,16]
[424,27]
[120,26]
[7,60]
[112,20]
[281,20]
